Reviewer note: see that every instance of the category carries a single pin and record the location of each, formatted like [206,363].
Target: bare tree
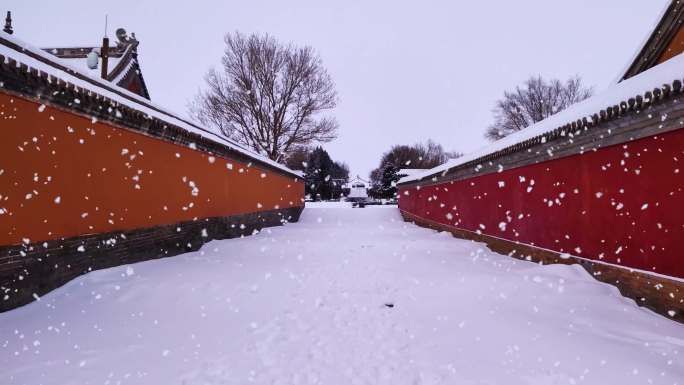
[297,158]
[268,96]
[535,101]
[420,155]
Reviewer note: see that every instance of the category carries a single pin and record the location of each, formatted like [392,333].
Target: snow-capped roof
[359,180]
[667,18]
[123,68]
[81,62]
[411,171]
[655,77]
[36,58]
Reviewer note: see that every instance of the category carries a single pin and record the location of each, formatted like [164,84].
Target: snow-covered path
[308,304]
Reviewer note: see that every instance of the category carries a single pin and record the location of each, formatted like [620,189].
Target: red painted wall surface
[623,204]
[62,175]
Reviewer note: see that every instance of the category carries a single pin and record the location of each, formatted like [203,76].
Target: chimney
[104,53]
[8,23]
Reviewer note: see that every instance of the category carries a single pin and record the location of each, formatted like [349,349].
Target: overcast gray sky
[405,71]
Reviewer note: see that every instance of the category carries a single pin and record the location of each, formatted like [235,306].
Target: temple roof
[123,68]
[356,181]
[665,41]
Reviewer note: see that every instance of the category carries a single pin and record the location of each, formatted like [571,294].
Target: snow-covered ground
[309,303]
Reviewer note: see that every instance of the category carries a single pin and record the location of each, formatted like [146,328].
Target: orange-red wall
[109,178]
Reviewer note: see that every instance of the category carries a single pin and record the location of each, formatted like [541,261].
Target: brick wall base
[31,270]
[660,294]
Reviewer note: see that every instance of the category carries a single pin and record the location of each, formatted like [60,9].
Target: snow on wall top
[657,76]
[411,171]
[26,54]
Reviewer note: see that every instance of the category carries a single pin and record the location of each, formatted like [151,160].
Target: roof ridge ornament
[124,38]
[8,23]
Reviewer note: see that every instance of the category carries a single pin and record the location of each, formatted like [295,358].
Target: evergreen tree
[388,189]
[318,174]
[324,177]
[340,176]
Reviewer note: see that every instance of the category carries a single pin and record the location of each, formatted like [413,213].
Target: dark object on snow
[389,305]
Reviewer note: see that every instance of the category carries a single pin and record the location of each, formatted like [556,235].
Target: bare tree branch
[535,101]
[268,96]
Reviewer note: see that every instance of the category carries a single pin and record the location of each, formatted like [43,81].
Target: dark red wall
[589,205]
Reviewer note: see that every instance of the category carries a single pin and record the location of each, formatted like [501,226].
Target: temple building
[357,190]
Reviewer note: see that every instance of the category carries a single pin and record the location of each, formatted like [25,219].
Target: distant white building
[358,190]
